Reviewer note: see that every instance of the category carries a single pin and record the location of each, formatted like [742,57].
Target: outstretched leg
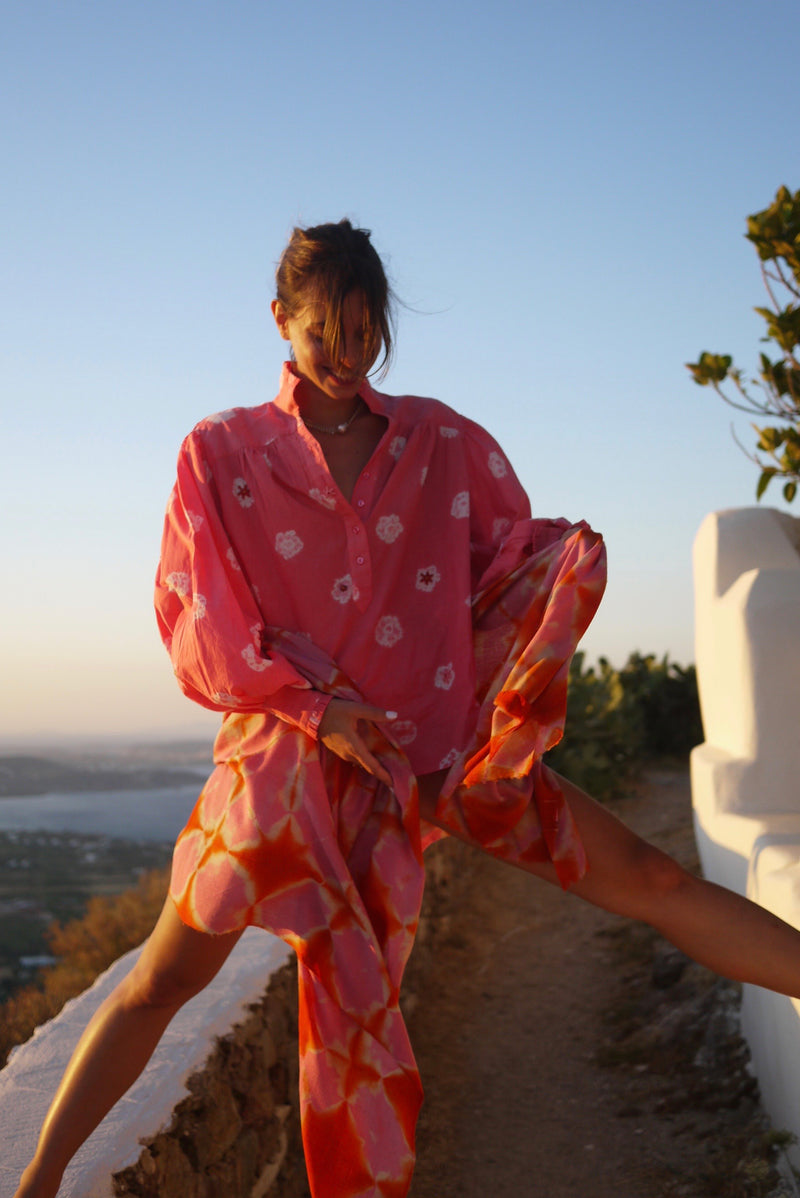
[720,929]
[175,964]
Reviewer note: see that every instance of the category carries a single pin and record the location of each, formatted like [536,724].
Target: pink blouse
[258,536]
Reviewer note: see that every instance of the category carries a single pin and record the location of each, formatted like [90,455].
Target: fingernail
[391,715]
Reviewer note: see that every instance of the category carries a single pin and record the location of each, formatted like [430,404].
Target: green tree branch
[775,233]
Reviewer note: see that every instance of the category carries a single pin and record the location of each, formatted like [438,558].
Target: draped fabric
[289,837]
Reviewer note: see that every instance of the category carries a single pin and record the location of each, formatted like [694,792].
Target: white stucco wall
[746,775]
[29,1080]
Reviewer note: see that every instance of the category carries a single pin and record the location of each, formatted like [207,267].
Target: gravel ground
[567,1052]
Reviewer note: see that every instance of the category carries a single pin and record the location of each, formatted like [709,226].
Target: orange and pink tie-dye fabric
[291,838]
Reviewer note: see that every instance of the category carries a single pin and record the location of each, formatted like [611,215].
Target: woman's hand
[340,731]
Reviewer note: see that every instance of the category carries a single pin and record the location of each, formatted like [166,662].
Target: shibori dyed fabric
[291,838]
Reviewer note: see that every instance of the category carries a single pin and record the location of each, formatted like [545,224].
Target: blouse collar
[290,379]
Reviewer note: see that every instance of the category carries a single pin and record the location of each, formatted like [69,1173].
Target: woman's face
[335,380]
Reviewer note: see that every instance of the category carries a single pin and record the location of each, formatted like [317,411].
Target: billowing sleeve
[207,615]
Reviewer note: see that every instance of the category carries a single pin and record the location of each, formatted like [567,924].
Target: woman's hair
[324,264]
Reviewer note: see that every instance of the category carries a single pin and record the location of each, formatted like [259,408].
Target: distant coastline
[23,775]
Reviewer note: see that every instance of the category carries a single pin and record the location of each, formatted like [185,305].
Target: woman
[355,580]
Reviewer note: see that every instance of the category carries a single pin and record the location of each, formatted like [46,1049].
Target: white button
[360,561]
[360,503]
[356,529]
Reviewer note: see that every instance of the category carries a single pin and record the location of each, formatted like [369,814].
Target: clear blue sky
[560,189]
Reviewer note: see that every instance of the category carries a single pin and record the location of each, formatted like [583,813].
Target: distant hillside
[28,775]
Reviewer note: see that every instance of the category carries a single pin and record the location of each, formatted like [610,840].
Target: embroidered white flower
[232,558]
[225,697]
[460,505]
[195,519]
[242,492]
[179,582]
[389,631]
[500,527]
[449,759]
[445,677]
[344,589]
[427,578]
[389,528]
[403,731]
[253,660]
[497,465]
[199,607]
[325,498]
[221,417]
[446,431]
[423,474]
[397,446]
[288,544]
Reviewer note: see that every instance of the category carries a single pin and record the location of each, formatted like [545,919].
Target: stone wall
[238,1130]
[30,1078]
[745,789]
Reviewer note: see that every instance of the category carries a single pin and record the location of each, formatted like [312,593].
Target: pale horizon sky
[560,192]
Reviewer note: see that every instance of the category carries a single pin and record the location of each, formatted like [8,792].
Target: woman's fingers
[342,717]
[353,749]
[364,711]
[339,732]
[369,761]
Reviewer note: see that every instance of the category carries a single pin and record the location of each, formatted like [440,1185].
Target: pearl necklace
[334,428]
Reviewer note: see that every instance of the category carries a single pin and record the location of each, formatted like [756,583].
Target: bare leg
[175,964]
[720,929]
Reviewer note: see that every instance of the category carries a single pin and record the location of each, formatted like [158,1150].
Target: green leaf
[789,491]
[710,368]
[766,477]
[770,439]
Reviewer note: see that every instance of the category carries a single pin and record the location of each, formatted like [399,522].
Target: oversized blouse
[431,593]
[258,536]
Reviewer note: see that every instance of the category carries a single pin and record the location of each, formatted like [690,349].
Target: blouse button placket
[358,552]
[358,548]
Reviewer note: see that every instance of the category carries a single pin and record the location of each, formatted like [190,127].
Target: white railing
[746,776]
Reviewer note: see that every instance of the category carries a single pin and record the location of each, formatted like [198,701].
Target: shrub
[666,697]
[85,947]
[617,720]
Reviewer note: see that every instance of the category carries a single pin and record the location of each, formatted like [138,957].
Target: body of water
[132,814]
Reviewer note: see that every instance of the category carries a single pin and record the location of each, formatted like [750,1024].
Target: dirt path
[552,1063]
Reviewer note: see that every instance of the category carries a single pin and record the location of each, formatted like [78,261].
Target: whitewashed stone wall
[216,1111]
[746,776]
[29,1080]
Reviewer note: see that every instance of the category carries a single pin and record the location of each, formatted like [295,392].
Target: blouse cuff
[301,706]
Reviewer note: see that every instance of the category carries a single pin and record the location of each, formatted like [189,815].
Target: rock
[669,964]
